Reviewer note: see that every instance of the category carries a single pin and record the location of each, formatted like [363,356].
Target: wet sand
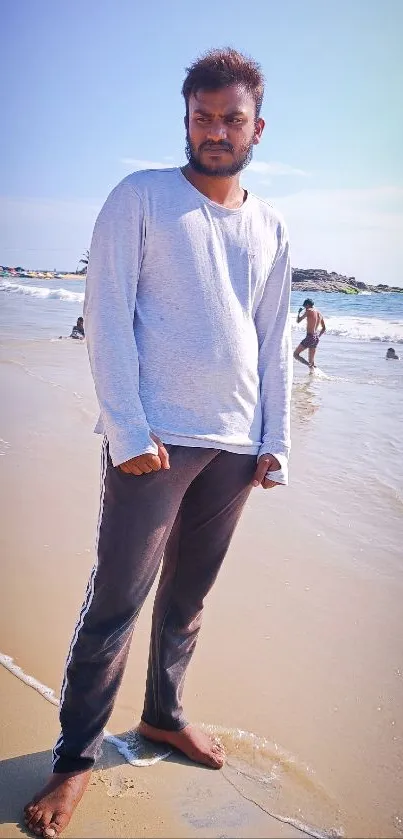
[301,643]
[170,799]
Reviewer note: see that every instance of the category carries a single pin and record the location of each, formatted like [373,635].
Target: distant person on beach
[78,329]
[315,327]
[391,353]
[188,333]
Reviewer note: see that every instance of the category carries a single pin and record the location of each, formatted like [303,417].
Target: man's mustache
[214,146]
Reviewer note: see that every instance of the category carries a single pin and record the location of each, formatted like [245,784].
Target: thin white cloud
[274,168]
[136,164]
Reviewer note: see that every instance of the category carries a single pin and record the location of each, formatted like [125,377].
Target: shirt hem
[206,443]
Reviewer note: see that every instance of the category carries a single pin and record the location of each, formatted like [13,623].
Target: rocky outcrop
[317,279]
[303,279]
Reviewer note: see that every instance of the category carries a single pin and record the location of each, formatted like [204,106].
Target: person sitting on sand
[314,322]
[78,329]
[391,353]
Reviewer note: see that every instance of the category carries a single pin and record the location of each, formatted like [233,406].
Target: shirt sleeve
[110,302]
[273,328]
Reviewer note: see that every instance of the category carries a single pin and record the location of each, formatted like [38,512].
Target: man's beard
[238,163]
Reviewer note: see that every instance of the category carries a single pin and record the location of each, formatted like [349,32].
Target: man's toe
[44,822]
[56,826]
[218,749]
[217,759]
[35,818]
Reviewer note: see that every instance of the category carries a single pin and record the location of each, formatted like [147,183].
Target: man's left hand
[266,463]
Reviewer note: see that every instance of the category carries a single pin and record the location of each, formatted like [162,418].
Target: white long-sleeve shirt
[187,320]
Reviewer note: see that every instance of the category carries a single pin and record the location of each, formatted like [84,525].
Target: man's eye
[235,120]
[201,119]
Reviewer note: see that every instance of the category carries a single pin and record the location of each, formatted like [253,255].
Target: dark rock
[317,279]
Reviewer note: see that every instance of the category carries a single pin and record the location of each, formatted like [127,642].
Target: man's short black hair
[308,303]
[221,68]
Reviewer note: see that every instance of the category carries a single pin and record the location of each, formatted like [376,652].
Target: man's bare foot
[51,809]
[193,742]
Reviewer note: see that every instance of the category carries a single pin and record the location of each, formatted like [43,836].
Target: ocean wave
[362,328]
[346,326]
[43,293]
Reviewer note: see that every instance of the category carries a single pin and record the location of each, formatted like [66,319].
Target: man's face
[222,130]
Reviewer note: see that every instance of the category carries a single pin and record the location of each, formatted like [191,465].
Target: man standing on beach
[315,327]
[193,383]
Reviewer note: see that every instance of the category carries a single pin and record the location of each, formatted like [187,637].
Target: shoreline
[168,800]
[337,285]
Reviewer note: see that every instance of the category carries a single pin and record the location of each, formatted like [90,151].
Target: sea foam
[362,328]
[43,293]
[135,749]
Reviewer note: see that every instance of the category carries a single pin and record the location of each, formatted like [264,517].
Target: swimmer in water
[315,327]
[391,353]
[78,329]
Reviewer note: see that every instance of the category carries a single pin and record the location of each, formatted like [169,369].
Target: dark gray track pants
[188,514]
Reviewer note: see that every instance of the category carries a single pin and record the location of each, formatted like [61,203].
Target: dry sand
[300,645]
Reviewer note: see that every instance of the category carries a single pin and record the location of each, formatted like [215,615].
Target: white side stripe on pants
[89,594]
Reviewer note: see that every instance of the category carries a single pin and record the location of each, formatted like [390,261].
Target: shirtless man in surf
[315,327]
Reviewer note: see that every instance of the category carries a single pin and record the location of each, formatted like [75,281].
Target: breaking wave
[363,328]
[43,293]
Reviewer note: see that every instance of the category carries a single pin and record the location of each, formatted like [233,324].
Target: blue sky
[93,91]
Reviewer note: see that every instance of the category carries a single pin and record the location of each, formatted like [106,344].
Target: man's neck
[225,191]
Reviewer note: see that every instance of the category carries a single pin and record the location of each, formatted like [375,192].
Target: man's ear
[259,126]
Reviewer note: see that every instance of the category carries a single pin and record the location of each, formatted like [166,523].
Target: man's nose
[217,131]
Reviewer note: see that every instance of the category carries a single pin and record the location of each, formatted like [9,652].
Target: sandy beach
[301,645]
[169,799]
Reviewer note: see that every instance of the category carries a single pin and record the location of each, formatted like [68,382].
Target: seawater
[34,309]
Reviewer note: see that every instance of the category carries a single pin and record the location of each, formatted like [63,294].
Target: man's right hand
[145,463]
